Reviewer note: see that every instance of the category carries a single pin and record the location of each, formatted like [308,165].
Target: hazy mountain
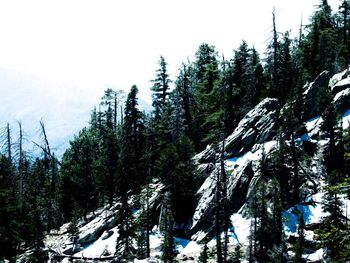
[64,108]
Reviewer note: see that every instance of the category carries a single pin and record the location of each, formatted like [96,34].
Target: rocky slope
[254,136]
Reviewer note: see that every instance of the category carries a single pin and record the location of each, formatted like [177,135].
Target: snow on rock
[241,178]
[90,233]
[192,248]
[342,100]
[338,77]
[341,85]
[240,228]
[101,247]
[316,256]
[338,80]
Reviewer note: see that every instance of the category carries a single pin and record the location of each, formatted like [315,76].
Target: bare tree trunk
[21,168]
[115,111]
[295,170]
[217,219]
[224,196]
[50,168]
[121,115]
[148,249]
[8,139]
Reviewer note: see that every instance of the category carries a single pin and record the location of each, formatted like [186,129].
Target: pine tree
[167,227]
[203,257]
[344,12]
[206,77]
[319,47]
[129,177]
[35,203]
[300,245]
[185,92]
[10,223]
[160,89]
[112,99]
[73,231]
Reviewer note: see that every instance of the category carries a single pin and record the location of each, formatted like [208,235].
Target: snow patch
[317,255]
[240,228]
[101,246]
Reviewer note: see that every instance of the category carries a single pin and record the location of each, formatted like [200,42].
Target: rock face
[253,136]
[313,95]
[243,173]
[256,127]
[342,100]
[340,87]
[340,81]
[244,148]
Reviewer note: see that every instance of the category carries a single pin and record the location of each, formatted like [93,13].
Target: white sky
[92,44]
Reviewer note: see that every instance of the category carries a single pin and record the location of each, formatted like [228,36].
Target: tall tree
[206,77]
[160,88]
[131,144]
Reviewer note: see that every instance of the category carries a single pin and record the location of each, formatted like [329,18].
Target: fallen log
[60,256]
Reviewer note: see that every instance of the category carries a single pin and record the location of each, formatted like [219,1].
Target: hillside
[253,138]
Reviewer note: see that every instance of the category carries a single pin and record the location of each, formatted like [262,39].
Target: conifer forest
[241,159]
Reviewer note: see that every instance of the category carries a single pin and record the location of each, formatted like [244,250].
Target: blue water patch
[134,211]
[312,119]
[305,137]
[290,217]
[182,242]
[234,235]
[86,245]
[347,113]
[235,159]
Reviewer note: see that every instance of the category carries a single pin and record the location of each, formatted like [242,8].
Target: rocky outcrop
[313,95]
[256,127]
[340,82]
[342,100]
[340,87]
[243,173]
[243,150]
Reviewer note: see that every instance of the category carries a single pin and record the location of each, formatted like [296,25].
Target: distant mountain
[65,109]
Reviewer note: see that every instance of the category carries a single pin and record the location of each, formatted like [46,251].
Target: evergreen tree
[129,177]
[9,220]
[300,245]
[206,77]
[185,103]
[160,89]
[344,12]
[167,227]
[319,47]
[35,203]
[203,257]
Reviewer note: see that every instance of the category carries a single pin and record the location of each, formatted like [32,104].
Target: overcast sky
[92,44]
